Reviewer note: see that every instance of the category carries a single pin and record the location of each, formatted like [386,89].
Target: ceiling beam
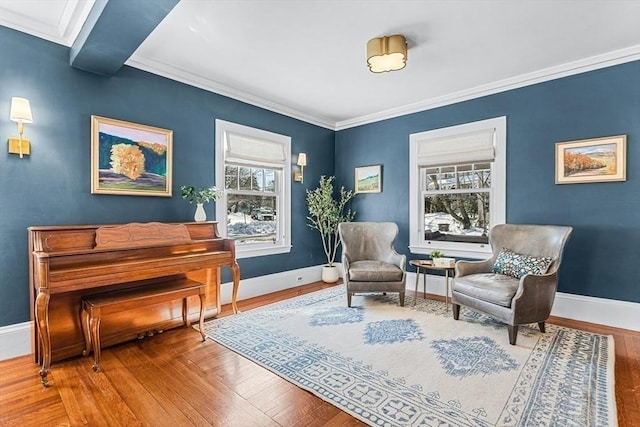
[114,30]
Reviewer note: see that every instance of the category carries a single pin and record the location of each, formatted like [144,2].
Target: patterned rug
[416,366]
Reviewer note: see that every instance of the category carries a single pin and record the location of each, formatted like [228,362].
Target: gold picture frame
[368,179]
[592,160]
[130,159]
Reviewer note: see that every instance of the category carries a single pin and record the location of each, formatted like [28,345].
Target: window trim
[247,250]
[497,194]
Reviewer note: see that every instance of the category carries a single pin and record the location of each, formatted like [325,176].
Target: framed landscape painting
[591,160]
[130,159]
[369,179]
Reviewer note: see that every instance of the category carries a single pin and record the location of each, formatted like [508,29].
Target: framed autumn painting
[129,158]
[591,160]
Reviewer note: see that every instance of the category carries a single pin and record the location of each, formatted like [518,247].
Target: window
[255,167]
[457,187]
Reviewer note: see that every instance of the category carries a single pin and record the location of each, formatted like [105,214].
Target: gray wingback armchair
[517,285]
[369,261]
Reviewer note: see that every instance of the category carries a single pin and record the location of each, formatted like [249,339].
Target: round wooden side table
[425,266]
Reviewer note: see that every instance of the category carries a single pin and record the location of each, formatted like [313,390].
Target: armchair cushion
[516,265]
[490,287]
[374,271]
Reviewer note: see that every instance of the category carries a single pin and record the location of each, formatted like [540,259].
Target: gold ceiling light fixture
[388,53]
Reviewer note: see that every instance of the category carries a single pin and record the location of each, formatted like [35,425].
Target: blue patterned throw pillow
[517,265]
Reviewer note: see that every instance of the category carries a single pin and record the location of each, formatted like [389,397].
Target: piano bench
[94,306]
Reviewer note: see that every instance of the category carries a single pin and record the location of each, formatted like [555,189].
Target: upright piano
[67,263]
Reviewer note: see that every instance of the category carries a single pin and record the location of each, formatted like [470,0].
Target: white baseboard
[15,340]
[602,311]
[619,314]
[263,285]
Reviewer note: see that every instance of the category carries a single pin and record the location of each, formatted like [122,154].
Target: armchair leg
[541,326]
[401,299]
[349,294]
[513,334]
[456,311]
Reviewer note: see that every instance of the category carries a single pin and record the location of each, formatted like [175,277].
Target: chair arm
[534,284]
[345,265]
[465,268]
[397,259]
[403,265]
[536,293]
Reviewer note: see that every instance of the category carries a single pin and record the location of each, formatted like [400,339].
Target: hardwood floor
[174,379]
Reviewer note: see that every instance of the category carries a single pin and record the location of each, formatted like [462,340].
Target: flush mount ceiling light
[388,53]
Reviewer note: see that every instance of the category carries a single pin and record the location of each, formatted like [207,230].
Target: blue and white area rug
[416,366]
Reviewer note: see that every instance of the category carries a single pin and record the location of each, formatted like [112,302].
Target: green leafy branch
[326,212]
[200,195]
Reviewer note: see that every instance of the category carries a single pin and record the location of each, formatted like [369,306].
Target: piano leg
[94,325]
[42,323]
[185,313]
[201,321]
[235,269]
[84,318]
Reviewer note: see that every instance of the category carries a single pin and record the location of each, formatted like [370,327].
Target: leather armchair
[369,261]
[514,301]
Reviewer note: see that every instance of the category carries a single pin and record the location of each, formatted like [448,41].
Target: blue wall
[602,258]
[52,186]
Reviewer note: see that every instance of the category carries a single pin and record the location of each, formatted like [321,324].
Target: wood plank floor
[174,379]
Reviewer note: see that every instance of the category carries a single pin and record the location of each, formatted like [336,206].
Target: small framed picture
[130,159]
[369,179]
[591,160]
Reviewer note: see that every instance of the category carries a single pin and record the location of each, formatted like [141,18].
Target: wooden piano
[67,263]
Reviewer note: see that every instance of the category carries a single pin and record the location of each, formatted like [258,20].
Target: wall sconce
[20,113]
[302,162]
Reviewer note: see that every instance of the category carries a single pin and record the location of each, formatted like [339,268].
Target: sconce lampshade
[302,159]
[388,53]
[20,110]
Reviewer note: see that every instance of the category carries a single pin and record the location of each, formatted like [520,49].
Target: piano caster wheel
[160,331]
[149,333]
[140,336]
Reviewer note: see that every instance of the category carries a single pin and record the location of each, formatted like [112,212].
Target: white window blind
[472,147]
[242,148]
[254,167]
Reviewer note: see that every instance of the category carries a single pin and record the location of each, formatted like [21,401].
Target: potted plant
[200,196]
[439,259]
[325,213]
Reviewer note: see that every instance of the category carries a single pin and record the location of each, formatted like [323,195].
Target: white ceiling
[306,58]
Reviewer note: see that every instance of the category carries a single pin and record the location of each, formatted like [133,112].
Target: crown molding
[571,68]
[76,11]
[192,79]
[74,14]
[73,17]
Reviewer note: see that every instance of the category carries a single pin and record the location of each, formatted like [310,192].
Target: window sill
[248,252]
[466,251]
